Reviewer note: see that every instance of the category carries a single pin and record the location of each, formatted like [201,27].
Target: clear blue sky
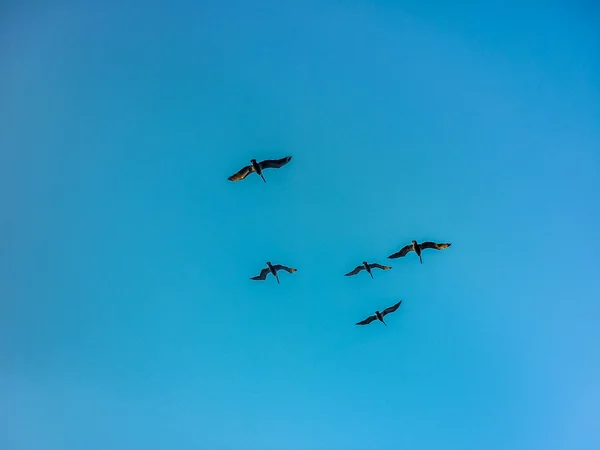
[127,317]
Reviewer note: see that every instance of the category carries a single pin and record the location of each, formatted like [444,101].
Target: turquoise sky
[127,317]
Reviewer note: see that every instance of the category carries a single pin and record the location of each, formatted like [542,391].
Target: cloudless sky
[127,317]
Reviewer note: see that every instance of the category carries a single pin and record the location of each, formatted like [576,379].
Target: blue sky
[127,319]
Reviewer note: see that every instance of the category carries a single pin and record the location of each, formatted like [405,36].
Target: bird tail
[277,276]
[263,178]
[384,322]
[421,259]
[371,273]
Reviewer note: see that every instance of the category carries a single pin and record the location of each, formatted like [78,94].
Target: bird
[258,167]
[366,266]
[418,248]
[380,315]
[272,269]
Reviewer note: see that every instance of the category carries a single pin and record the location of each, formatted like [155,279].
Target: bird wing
[391,309]
[274,163]
[403,251]
[263,274]
[355,271]
[243,173]
[367,321]
[379,266]
[434,245]
[287,269]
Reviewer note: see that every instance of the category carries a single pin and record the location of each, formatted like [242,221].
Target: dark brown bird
[380,315]
[272,269]
[418,248]
[366,266]
[258,167]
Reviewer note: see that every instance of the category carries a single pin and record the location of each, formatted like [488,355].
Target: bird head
[414,242]
[268,263]
[365,263]
[253,161]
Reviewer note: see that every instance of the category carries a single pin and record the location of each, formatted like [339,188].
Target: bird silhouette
[258,167]
[366,266]
[380,315]
[272,268]
[417,248]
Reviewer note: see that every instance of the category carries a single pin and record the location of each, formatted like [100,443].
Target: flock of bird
[258,167]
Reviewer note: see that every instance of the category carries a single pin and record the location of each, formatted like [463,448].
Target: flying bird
[366,266]
[258,167]
[380,315]
[272,269]
[418,248]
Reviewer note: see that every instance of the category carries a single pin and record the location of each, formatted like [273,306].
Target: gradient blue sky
[127,319]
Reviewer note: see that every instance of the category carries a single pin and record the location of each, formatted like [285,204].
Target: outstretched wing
[402,252]
[274,163]
[428,244]
[263,274]
[391,309]
[367,321]
[379,266]
[287,269]
[355,271]
[243,173]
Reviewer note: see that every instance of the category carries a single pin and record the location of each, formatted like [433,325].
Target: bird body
[418,248]
[273,271]
[367,268]
[258,168]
